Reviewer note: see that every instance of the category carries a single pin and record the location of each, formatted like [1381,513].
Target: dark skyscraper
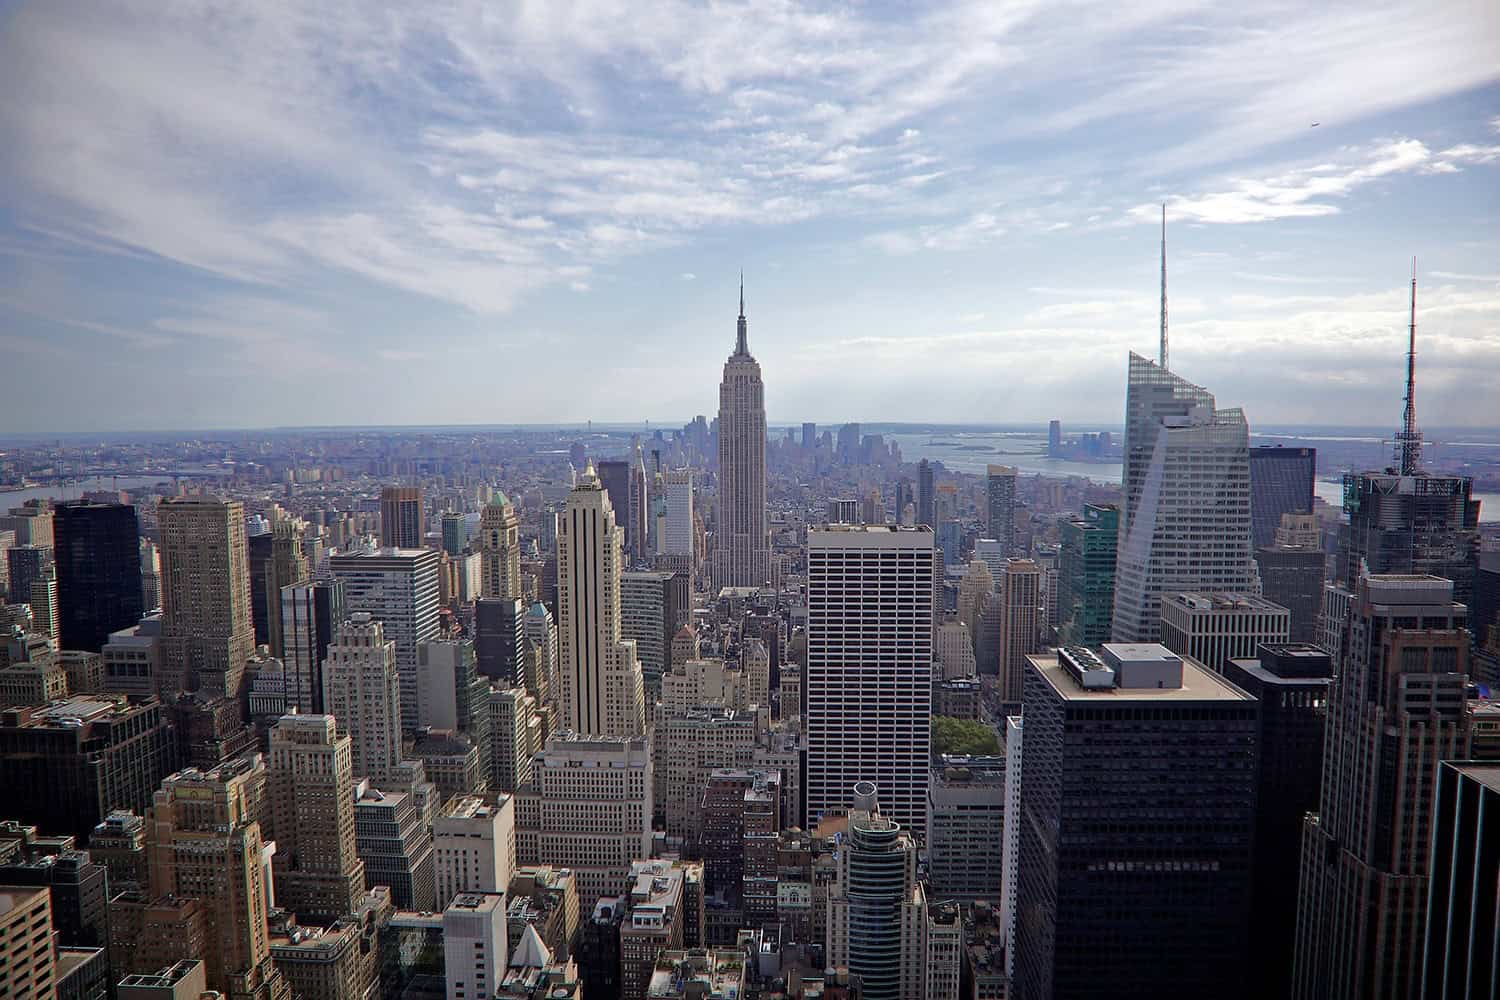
[28,564]
[615,475]
[1000,502]
[499,638]
[401,521]
[98,571]
[1137,815]
[1293,577]
[926,495]
[1086,574]
[1463,934]
[1291,682]
[1281,482]
[1396,707]
[809,436]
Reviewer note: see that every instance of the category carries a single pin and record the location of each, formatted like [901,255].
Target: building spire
[1163,358]
[741,346]
[1409,440]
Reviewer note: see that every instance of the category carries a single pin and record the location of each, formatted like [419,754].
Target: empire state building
[742,556]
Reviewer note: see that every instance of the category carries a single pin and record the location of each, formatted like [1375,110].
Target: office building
[1216,628]
[336,962]
[601,676]
[398,588]
[311,613]
[965,809]
[598,949]
[1396,707]
[27,964]
[588,809]
[1293,577]
[450,691]
[185,980]
[98,571]
[43,601]
[132,658]
[33,681]
[500,549]
[207,633]
[474,951]
[737,839]
[645,618]
[1136,831]
[688,745]
[204,842]
[64,766]
[515,737]
[150,575]
[742,546]
[868,675]
[1459,954]
[1000,506]
[1415,523]
[402,523]
[926,495]
[473,847]
[500,638]
[1281,482]
[362,692]
[1054,439]
[545,900]
[537,971]
[319,875]
[687,974]
[31,523]
[392,838]
[655,920]
[119,844]
[1186,520]
[450,761]
[79,892]
[284,564]
[1086,575]
[541,632]
[27,564]
[1290,681]
[1020,599]
[677,540]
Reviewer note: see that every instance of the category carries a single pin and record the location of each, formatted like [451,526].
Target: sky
[220,214]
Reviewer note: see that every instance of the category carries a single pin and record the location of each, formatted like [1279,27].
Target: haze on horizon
[220,215]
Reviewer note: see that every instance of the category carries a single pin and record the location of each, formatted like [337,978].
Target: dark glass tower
[1086,574]
[1281,482]
[926,495]
[98,571]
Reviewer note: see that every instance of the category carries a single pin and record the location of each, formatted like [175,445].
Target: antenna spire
[741,345]
[1409,443]
[1163,360]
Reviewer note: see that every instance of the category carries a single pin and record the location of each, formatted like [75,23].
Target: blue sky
[229,214]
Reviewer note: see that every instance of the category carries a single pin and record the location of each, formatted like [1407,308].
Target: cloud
[688,276]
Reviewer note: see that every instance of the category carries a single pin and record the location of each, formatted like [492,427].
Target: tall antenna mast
[1409,447]
[1163,285]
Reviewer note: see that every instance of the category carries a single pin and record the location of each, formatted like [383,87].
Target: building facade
[207,632]
[1214,628]
[97,554]
[1281,482]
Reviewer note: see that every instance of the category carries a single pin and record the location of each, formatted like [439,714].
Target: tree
[950,735]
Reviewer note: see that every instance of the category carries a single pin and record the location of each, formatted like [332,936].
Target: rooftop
[1198,683]
[1197,600]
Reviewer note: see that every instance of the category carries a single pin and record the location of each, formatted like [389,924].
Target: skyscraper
[1020,595]
[601,676]
[1086,575]
[645,617]
[204,843]
[1396,708]
[926,495]
[399,588]
[679,534]
[207,634]
[1186,520]
[1281,482]
[742,549]
[98,571]
[361,689]
[1000,506]
[1137,813]
[500,549]
[870,592]
[401,521]
[319,875]
[1463,936]
[310,614]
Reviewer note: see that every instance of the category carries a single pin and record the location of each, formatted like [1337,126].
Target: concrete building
[645,618]
[1020,601]
[27,964]
[1137,805]
[687,747]
[1396,707]
[656,918]
[588,809]
[544,899]
[79,892]
[601,675]
[450,761]
[500,549]
[311,613]
[868,675]
[742,545]
[515,738]
[965,808]
[399,589]
[392,838]
[473,847]
[1290,680]
[186,980]
[362,691]
[677,539]
[132,659]
[319,875]
[741,823]
[98,571]
[204,842]
[474,946]
[402,521]
[64,766]
[1214,628]
[1185,524]
[207,632]
[119,844]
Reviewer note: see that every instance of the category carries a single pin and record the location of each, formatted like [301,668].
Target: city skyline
[425,192]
